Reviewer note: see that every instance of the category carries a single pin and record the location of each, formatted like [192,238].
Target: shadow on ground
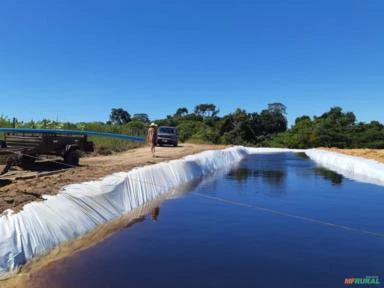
[4,182]
[46,166]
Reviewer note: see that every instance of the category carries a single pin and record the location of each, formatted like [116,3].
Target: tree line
[334,128]
[268,127]
[240,127]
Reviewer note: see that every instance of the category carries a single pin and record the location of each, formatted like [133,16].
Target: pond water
[276,220]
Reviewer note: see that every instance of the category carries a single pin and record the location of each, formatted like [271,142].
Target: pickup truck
[167,135]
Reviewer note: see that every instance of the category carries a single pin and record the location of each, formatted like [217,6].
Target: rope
[289,215]
[276,212]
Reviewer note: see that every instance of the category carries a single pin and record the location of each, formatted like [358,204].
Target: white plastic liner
[355,168]
[266,150]
[80,208]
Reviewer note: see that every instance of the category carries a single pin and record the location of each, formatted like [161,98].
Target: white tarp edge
[356,168]
[80,208]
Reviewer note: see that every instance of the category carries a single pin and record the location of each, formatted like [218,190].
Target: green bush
[189,128]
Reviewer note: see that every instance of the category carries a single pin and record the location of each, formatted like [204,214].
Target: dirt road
[14,195]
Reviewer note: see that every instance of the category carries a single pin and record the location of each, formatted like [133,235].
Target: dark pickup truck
[167,135]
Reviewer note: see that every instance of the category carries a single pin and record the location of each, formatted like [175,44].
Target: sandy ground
[375,154]
[18,192]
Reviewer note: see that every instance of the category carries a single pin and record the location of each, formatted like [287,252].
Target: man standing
[152,137]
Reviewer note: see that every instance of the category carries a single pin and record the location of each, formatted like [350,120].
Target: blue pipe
[73,132]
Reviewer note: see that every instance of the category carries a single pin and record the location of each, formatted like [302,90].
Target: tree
[143,117]
[272,122]
[277,108]
[303,133]
[119,116]
[181,112]
[5,121]
[226,124]
[240,115]
[206,110]
[335,128]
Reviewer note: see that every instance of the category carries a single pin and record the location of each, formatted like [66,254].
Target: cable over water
[289,215]
[280,213]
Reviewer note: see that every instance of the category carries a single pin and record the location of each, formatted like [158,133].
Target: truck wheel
[72,157]
[3,144]
[175,144]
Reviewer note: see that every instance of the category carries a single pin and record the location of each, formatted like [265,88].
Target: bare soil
[19,187]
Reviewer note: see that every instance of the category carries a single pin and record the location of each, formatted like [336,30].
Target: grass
[108,146]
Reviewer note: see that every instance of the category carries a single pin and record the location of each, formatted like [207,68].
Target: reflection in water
[272,177]
[135,221]
[302,155]
[155,213]
[333,177]
[240,174]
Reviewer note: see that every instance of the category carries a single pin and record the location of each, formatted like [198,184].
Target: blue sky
[76,60]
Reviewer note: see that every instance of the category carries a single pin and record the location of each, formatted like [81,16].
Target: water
[200,241]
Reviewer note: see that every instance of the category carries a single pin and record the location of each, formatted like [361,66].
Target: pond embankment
[32,184]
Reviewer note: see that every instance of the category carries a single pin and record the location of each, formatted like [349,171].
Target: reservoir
[274,220]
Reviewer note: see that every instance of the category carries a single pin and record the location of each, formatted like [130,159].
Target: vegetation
[334,128]
[239,127]
[143,117]
[119,116]
[268,127]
